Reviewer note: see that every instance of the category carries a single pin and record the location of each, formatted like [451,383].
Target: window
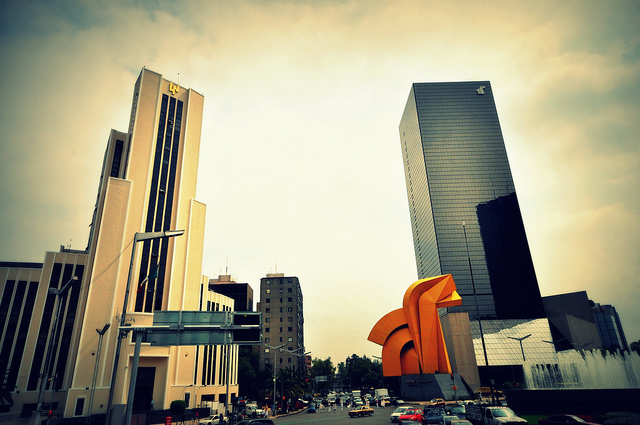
[79,406]
[281,319]
[281,290]
[266,359]
[267,329]
[268,291]
[289,309]
[267,340]
[291,319]
[289,299]
[281,310]
[266,350]
[289,360]
[290,328]
[268,300]
[280,299]
[290,339]
[267,310]
[290,290]
[280,331]
[267,319]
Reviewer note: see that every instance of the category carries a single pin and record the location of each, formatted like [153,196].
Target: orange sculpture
[411,336]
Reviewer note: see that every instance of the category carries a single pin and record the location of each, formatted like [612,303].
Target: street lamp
[520,340]
[101,333]
[475,298]
[121,332]
[275,351]
[52,338]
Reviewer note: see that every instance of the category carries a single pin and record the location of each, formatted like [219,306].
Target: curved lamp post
[121,332]
[520,340]
[52,339]
[275,367]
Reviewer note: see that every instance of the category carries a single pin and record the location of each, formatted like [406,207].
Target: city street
[380,417]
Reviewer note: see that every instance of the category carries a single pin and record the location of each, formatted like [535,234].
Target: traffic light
[50,414]
[452,377]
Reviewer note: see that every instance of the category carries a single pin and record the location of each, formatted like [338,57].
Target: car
[361,411]
[210,420]
[433,415]
[436,402]
[461,422]
[412,414]
[399,411]
[447,419]
[258,421]
[563,419]
[396,401]
[457,409]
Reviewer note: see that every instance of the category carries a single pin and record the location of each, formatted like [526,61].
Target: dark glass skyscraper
[456,171]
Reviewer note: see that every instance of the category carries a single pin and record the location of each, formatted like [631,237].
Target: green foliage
[323,368]
[178,407]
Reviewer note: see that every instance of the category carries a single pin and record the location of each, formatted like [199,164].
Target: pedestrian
[151,404]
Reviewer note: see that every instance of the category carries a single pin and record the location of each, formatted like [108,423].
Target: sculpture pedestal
[427,386]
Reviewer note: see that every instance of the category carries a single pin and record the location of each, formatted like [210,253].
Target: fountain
[588,370]
[581,382]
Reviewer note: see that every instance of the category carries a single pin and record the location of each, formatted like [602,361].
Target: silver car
[399,411]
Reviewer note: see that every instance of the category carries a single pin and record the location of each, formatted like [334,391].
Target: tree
[635,346]
[323,368]
[363,372]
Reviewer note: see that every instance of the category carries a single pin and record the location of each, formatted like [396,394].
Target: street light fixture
[475,298]
[138,237]
[101,333]
[275,366]
[52,339]
[520,340]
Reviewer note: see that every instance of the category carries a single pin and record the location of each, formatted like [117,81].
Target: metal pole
[275,350]
[226,404]
[134,375]
[116,360]
[101,333]
[44,378]
[121,332]
[475,297]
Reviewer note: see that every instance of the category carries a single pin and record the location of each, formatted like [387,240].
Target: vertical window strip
[21,340]
[153,198]
[43,333]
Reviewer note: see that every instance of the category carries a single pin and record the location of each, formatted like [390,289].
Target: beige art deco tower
[148,184]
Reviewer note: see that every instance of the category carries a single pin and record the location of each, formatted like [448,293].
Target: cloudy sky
[300,163]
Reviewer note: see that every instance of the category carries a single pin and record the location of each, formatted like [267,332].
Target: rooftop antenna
[178,78]
[226,269]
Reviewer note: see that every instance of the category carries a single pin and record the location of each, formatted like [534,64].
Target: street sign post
[172,328]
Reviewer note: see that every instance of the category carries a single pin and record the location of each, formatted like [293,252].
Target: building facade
[283,322]
[457,171]
[465,216]
[242,293]
[148,185]
[609,327]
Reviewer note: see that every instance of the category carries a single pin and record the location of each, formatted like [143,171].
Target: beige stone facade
[148,184]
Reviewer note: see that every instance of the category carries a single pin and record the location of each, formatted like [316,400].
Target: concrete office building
[242,293]
[457,171]
[148,184]
[609,327]
[283,322]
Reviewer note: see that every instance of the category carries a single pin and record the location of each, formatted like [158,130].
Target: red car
[411,415]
